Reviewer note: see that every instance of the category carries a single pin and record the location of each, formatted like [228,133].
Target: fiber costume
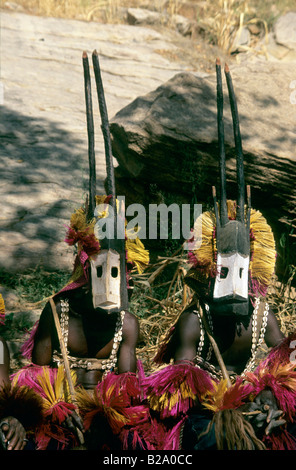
[2,310]
[96,295]
[197,402]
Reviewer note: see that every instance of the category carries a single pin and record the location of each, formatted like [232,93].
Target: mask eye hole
[223,273]
[114,271]
[241,272]
[99,271]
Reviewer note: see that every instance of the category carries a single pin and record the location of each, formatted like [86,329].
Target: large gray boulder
[285,30]
[166,141]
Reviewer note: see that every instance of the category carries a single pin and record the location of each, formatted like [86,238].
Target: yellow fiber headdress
[82,233]
[262,251]
[2,310]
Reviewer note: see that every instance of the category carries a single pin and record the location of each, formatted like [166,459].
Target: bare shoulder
[186,336]
[47,313]
[273,335]
[130,324]
[272,321]
[188,326]
[46,319]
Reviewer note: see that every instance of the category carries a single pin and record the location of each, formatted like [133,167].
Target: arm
[188,333]
[42,351]
[273,334]
[127,360]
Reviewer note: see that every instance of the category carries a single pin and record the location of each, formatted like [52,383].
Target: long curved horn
[249,208]
[91,139]
[218,222]
[106,131]
[238,146]
[220,124]
[118,243]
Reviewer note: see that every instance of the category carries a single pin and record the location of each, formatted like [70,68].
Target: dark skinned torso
[234,341]
[90,335]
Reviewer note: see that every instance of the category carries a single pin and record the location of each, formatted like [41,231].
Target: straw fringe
[263,253]
[262,250]
[233,432]
[220,397]
[51,385]
[22,403]
[136,254]
[172,390]
[113,398]
[2,310]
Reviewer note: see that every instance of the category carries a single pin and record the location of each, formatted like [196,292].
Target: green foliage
[35,284]
[15,326]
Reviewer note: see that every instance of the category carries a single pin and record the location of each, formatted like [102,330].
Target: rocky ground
[43,151]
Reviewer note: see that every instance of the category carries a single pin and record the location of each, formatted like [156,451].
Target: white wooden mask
[105,279]
[232,277]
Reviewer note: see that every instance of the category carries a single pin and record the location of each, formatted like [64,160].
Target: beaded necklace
[107,365]
[256,341]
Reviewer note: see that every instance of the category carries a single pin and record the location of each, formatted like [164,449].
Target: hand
[263,411]
[74,423]
[14,433]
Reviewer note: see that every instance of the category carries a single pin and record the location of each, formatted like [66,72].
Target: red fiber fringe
[282,440]
[172,386]
[115,397]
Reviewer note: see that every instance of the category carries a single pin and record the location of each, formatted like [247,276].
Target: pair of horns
[108,149]
[238,147]
[90,132]
[118,244]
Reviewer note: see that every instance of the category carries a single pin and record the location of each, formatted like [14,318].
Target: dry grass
[225,19]
[222,19]
[161,313]
[282,300]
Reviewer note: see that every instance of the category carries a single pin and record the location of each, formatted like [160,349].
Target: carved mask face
[232,277]
[105,279]
[230,290]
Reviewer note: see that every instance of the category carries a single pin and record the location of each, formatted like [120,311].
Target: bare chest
[238,345]
[87,334]
[91,343]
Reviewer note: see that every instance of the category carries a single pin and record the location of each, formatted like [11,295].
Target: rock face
[285,30]
[138,16]
[166,141]
[281,44]
[164,137]
[43,153]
